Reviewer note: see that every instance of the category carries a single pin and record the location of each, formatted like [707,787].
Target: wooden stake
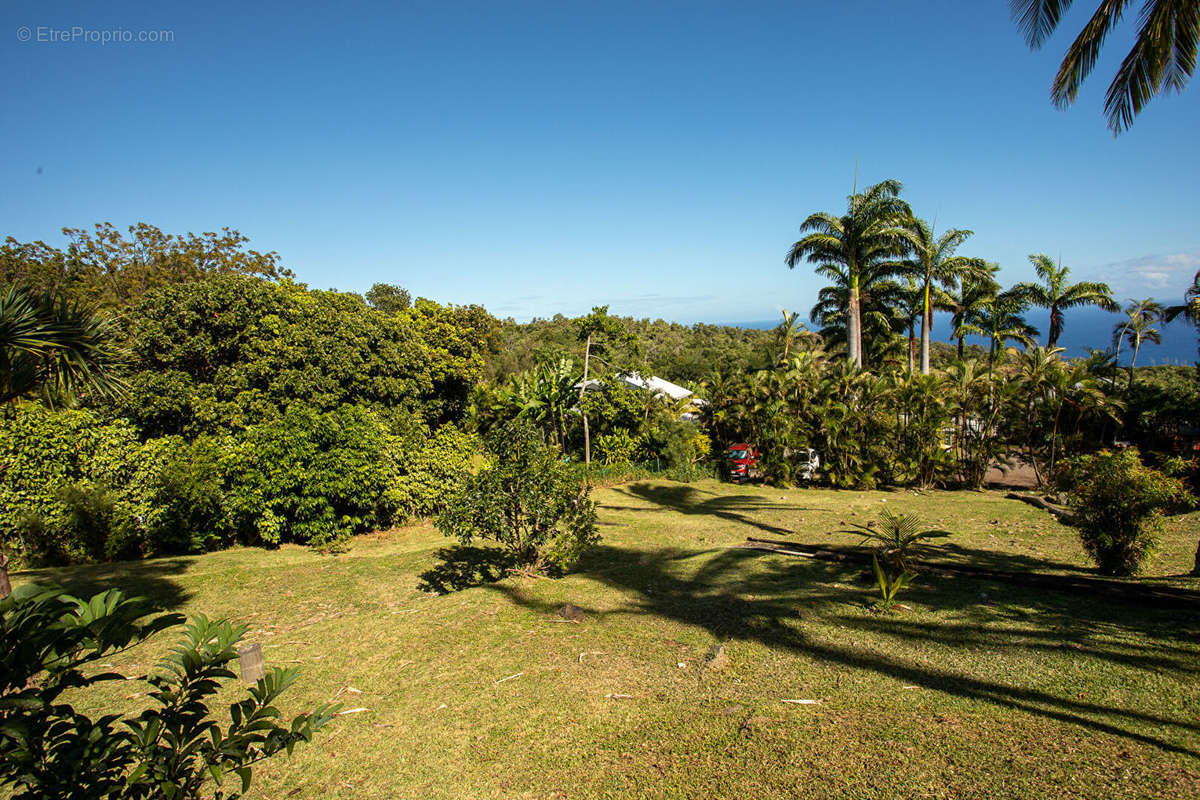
[250,660]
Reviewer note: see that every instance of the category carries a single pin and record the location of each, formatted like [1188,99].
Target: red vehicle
[741,462]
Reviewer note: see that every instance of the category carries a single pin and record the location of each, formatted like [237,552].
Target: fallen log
[1134,593]
[1038,502]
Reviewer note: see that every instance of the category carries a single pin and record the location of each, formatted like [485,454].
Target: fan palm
[1163,56]
[934,265]
[1057,293]
[55,349]
[1138,328]
[855,244]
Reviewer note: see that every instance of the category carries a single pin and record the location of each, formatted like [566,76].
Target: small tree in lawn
[527,500]
[1118,504]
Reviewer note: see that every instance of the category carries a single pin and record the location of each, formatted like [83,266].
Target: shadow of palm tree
[686,499]
[769,602]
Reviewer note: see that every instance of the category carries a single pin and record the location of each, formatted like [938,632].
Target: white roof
[653,384]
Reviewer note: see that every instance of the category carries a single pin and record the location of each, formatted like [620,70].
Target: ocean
[1084,328]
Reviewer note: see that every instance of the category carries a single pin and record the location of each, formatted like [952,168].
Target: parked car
[741,462]
[807,463]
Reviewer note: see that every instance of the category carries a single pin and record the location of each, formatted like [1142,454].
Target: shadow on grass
[151,578]
[690,500]
[462,566]
[771,600]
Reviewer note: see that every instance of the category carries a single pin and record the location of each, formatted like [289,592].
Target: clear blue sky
[546,157]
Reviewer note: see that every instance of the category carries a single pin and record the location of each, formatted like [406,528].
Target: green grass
[982,689]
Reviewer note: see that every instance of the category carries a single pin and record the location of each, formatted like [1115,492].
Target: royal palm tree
[1138,328]
[879,299]
[1163,56]
[859,242]
[935,266]
[55,350]
[1057,293]
[969,296]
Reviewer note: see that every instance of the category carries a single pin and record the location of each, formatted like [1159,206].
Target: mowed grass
[982,689]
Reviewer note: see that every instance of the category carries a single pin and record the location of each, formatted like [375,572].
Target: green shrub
[62,484]
[431,469]
[51,642]
[310,477]
[618,447]
[526,499]
[1117,504]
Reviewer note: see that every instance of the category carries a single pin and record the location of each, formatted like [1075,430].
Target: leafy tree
[388,298]
[1057,293]
[104,267]
[933,263]
[527,500]
[1163,56]
[855,246]
[51,645]
[56,350]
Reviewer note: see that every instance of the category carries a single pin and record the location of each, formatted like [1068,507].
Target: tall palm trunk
[854,325]
[926,324]
[1137,345]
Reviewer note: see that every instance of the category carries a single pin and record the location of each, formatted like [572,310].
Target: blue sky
[547,157]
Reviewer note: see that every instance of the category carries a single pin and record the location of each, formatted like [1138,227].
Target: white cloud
[1171,273]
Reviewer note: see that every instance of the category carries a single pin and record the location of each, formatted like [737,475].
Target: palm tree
[972,292]
[879,297]
[1142,314]
[1163,56]
[934,264]
[1057,293]
[790,333]
[999,319]
[865,237]
[55,350]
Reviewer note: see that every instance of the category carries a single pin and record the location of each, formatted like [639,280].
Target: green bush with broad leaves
[177,748]
[527,500]
[61,495]
[1117,504]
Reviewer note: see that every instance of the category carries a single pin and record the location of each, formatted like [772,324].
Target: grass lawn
[982,689]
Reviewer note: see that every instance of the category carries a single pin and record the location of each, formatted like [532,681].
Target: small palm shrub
[1117,504]
[527,500]
[50,644]
[899,539]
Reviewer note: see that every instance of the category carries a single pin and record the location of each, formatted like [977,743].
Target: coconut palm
[1057,293]
[56,350]
[866,237]
[934,265]
[1163,56]
[1138,328]
[792,333]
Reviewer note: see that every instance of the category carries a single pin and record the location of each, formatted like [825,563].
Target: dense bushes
[75,488]
[1117,504]
[229,352]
